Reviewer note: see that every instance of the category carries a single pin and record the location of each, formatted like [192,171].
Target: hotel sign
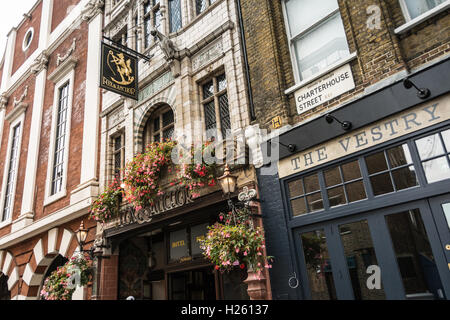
[326,88]
[417,118]
[119,72]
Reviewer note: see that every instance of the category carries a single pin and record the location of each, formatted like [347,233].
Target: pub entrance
[164,261]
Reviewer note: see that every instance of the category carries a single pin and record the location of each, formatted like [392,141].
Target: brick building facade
[49,128]
[193,88]
[348,60]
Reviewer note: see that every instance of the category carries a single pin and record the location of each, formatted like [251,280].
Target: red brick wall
[21,56]
[109,278]
[60,10]
[76,133]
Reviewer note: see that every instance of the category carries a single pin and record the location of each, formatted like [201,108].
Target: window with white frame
[152,19]
[59,140]
[316,35]
[11,171]
[415,8]
[60,144]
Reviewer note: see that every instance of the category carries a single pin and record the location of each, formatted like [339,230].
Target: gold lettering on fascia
[164,203]
[178,244]
[391,128]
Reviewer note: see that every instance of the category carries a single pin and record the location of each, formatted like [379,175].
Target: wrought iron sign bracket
[129,50]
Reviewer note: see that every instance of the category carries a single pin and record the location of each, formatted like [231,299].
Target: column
[39,68]
[27,211]
[88,180]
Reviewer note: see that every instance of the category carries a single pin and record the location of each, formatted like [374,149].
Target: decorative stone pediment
[22,97]
[69,52]
[92,9]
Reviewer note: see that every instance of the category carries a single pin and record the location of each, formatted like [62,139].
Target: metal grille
[167,134]
[208,90]
[175,15]
[224,114]
[168,118]
[147,28]
[221,82]
[156,126]
[60,143]
[157,19]
[117,156]
[210,118]
[11,173]
[200,5]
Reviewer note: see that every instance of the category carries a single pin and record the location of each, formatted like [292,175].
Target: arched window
[160,126]
[4,292]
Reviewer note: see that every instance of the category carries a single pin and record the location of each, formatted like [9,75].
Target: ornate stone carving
[256,285]
[3,102]
[212,52]
[93,8]
[40,63]
[171,53]
[63,58]
[22,97]
[166,45]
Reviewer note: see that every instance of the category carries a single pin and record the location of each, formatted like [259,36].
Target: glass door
[440,207]
[394,253]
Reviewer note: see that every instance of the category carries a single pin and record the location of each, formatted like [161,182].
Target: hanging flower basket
[107,205]
[199,170]
[61,284]
[141,185]
[234,243]
[143,174]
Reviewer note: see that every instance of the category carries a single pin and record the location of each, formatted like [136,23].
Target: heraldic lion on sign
[122,67]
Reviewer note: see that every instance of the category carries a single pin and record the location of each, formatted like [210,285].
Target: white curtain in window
[418,7]
[302,14]
[321,47]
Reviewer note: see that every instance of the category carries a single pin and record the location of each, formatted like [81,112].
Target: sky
[11,14]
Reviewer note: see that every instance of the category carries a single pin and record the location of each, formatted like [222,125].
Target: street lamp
[227,182]
[82,234]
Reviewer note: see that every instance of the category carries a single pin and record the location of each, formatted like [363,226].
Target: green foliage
[60,284]
[234,243]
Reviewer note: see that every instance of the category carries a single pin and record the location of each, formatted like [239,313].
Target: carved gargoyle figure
[166,45]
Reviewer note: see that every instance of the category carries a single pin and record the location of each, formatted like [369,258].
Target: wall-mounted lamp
[291,147]
[346,125]
[422,93]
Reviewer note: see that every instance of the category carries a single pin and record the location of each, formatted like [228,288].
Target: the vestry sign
[417,118]
[119,72]
[324,89]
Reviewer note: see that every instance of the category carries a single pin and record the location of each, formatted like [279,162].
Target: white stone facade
[207,44]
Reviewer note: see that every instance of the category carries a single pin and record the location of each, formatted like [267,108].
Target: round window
[27,39]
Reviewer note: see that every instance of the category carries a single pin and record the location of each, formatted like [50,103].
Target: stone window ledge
[423,17]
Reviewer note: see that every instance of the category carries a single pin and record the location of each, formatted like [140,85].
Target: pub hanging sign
[119,72]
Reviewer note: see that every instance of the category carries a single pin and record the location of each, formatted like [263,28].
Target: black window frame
[372,202]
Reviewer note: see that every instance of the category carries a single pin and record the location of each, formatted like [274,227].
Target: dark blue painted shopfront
[373,223]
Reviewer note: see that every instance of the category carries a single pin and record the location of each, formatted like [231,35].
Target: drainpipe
[247,68]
